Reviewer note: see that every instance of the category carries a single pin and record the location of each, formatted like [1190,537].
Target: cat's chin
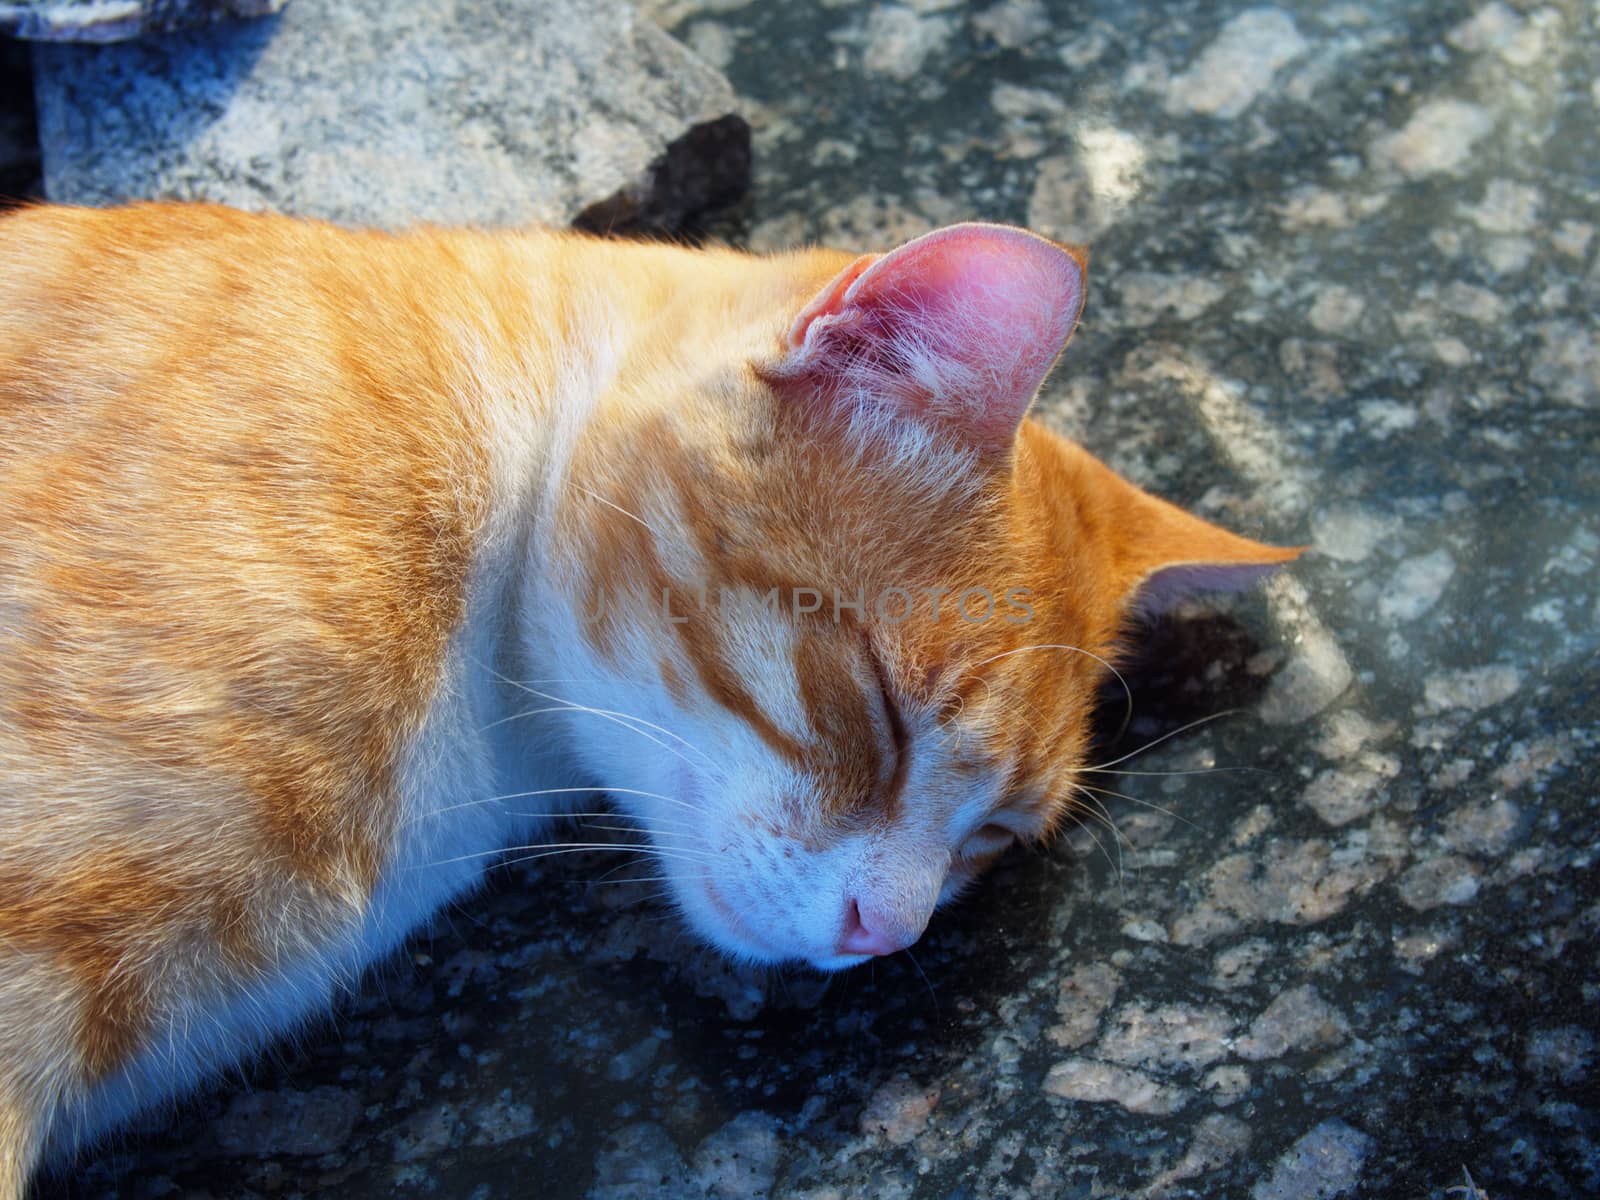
[744,951]
[727,930]
[721,924]
[838,962]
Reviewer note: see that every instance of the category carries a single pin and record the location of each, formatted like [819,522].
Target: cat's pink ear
[958,327]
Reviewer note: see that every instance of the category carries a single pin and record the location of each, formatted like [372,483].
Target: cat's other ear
[1153,554]
[958,327]
[1169,555]
[1226,564]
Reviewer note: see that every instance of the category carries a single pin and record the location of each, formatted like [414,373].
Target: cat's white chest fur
[458,786]
[453,823]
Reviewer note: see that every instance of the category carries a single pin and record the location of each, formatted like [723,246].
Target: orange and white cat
[330,560]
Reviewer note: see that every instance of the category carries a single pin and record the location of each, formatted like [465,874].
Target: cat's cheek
[702,897]
[745,923]
[718,921]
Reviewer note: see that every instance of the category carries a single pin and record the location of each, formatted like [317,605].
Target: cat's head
[842,610]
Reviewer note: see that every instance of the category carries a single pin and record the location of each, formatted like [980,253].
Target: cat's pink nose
[863,935]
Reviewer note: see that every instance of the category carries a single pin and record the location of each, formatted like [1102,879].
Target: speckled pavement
[1345,939]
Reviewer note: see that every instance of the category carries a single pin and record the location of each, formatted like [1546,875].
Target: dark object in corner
[19,128]
[706,169]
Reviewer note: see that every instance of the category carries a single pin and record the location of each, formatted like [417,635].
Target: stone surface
[118,20]
[1348,939]
[289,1122]
[389,112]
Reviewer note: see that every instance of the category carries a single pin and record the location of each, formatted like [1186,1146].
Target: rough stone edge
[111,21]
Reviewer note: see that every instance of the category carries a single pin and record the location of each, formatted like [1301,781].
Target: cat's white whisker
[605,791]
[607,877]
[928,983]
[646,879]
[525,713]
[632,516]
[680,832]
[609,791]
[1190,771]
[1126,690]
[1150,804]
[552,853]
[615,718]
[645,828]
[645,823]
[694,808]
[1154,742]
[698,849]
[552,847]
[661,729]
[1092,807]
[614,715]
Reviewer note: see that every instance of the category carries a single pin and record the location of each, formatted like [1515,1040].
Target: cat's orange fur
[260,482]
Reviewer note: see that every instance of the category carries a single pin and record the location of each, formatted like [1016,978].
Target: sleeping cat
[333,563]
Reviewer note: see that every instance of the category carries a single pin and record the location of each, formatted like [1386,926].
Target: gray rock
[288,1122]
[118,20]
[640,1160]
[1323,1164]
[389,112]
[738,1161]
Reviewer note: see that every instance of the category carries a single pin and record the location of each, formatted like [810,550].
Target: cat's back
[224,432]
[239,498]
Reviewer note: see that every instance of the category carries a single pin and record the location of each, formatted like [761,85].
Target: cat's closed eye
[894,722]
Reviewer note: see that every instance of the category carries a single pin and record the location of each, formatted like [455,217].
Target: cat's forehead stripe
[723,684]
[846,759]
